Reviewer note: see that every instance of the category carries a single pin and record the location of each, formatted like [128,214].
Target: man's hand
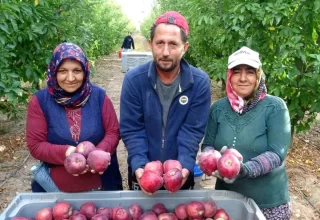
[70,150]
[185,174]
[138,174]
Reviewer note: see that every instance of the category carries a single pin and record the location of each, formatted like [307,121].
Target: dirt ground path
[15,160]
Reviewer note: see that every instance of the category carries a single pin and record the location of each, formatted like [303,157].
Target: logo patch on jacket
[183,100]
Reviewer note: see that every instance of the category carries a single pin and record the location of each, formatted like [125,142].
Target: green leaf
[278,19]
[13,75]
[20,39]
[16,83]
[3,40]
[4,27]
[28,73]
[17,90]
[2,85]
[14,24]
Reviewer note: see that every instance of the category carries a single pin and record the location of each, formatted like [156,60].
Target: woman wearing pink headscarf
[258,126]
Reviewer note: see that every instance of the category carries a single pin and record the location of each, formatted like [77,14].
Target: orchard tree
[30,30]
[286,33]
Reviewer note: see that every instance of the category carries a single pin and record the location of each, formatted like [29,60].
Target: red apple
[98,160]
[88,209]
[167,216]
[229,166]
[148,216]
[155,166]
[85,148]
[151,181]
[210,208]
[62,210]
[181,211]
[234,152]
[195,210]
[208,161]
[75,163]
[135,211]
[158,209]
[78,216]
[221,214]
[99,217]
[173,180]
[44,214]
[121,214]
[169,164]
[105,211]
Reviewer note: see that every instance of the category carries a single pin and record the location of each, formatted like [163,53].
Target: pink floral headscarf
[241,105]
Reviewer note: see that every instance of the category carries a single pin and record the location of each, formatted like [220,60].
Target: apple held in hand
[208,161]
[234,152]
[75,163]
[173,180]
[169,164]
[84,148]
[151,181]
[228,166]
[155,166]
[99,160]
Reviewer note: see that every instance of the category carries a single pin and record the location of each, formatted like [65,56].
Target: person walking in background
[128,43]
[164,104]
[258,126]
[71,110]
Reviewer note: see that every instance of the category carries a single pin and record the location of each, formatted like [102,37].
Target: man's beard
[167,68]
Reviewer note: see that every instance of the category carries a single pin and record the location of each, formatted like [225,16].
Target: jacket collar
[186,77]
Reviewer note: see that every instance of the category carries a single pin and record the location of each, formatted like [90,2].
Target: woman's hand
[70,150]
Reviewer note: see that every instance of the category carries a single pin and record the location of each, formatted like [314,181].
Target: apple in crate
[135,211]
[62,210]
[181,211]
[105,211]
[44,214]
[210,208]
[88,209]
[148,216]
[158,209]
[221,214]
[167,216]
[195,210]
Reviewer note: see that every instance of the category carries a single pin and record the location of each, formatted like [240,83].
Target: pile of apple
[156,175]
[86,154]
[88,211]
[228,164]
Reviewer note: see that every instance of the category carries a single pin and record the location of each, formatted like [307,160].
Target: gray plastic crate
[133,59]
[236,205]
